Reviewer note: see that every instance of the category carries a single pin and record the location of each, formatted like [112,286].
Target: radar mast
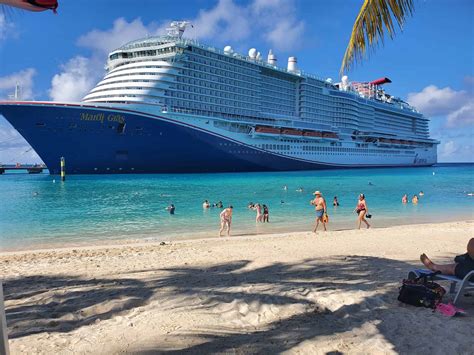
[176,28]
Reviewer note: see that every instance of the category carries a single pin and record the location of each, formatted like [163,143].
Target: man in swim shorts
[463,264]
[226,220]
[319,204]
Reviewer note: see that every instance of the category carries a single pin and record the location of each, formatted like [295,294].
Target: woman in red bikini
[361,210]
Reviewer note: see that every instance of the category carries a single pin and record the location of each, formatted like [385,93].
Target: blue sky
[431,63]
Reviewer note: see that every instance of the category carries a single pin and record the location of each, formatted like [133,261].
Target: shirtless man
[226,220]
[463,264]
[319,204]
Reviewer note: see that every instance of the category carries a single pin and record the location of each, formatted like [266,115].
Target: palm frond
[369,27]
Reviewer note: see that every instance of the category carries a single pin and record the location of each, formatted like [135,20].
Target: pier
[31,169]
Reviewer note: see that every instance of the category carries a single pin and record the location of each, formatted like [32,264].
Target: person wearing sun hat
[319,204]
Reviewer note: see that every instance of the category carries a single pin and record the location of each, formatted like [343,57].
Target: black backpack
[420,292]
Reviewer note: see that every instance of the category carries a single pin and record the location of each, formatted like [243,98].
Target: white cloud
[122,32]
[25,80]
[275,21]
[458,106]
[6,27]
[76,78]
[448,149]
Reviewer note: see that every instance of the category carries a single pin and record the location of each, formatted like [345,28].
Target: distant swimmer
[421,193]
[206,204]
[370,184]
[35,193]
[285,187]
[266,214]
[335,202]
[226,220]
[405,198]
[251,205]
[170,209]
[414,200]
[282,202]
[219,204]
[300,189]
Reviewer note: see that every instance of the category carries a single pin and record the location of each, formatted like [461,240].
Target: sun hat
[317,193]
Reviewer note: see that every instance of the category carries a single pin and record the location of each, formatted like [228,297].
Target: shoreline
[146,239]
[190,238]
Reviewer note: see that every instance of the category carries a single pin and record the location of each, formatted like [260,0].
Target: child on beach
[226,220]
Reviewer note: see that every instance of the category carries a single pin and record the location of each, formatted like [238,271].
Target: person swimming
[170,209]
[300,189]
[421,193]
[414,200]
[226,220]
[335,202]
[405,198]
[285,187]
[219,204]
[206,204]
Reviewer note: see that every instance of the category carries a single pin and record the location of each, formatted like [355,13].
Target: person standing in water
[226,220]
[405,198]
[265,214]
[258,207]
[414,200]
[206,204]
[362,209]
[319,204]
[335,202]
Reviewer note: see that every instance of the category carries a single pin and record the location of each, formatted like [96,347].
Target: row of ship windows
[211,67]
[221,57]
[211,79]
[230,92]
[146,53]
[200,71]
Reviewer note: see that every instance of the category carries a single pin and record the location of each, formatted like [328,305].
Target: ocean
[41,211]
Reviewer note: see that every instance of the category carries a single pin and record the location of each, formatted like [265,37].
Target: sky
[431,62]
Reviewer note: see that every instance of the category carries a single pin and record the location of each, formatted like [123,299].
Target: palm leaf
[369,27]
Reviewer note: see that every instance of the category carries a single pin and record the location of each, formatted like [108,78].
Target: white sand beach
[292,293]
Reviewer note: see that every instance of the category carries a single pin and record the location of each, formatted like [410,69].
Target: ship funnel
[292,64]
[271,59]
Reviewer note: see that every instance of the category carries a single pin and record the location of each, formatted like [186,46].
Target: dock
[29,168]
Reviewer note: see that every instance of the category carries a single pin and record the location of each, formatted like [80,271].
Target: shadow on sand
[66,303]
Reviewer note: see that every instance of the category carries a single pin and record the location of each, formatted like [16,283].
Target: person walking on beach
[265,214]
[319,204]
[362,210]
[226,220]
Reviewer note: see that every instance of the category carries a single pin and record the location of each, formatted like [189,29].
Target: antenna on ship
[177,28]
[16,96]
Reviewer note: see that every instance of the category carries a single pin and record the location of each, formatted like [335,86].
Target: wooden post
[63,169]
[4,350]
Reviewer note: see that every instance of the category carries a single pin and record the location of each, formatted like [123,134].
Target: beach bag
[325,218]
[421,292]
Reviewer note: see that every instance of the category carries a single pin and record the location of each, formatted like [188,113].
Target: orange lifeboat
[292,132]
[267,130]
[312,134]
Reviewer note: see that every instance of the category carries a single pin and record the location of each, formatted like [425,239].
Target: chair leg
[464,283]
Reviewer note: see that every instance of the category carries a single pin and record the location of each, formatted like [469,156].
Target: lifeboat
[330,135]
[291,132]
[312,134]
[266,131]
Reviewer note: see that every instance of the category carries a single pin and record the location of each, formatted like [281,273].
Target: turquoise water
[37,212]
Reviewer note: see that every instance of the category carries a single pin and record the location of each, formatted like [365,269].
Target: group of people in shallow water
[414,199]
[263,214]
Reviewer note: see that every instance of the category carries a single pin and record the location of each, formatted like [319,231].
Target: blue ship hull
[90,140]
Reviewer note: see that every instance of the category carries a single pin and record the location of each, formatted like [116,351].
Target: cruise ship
[168,104]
